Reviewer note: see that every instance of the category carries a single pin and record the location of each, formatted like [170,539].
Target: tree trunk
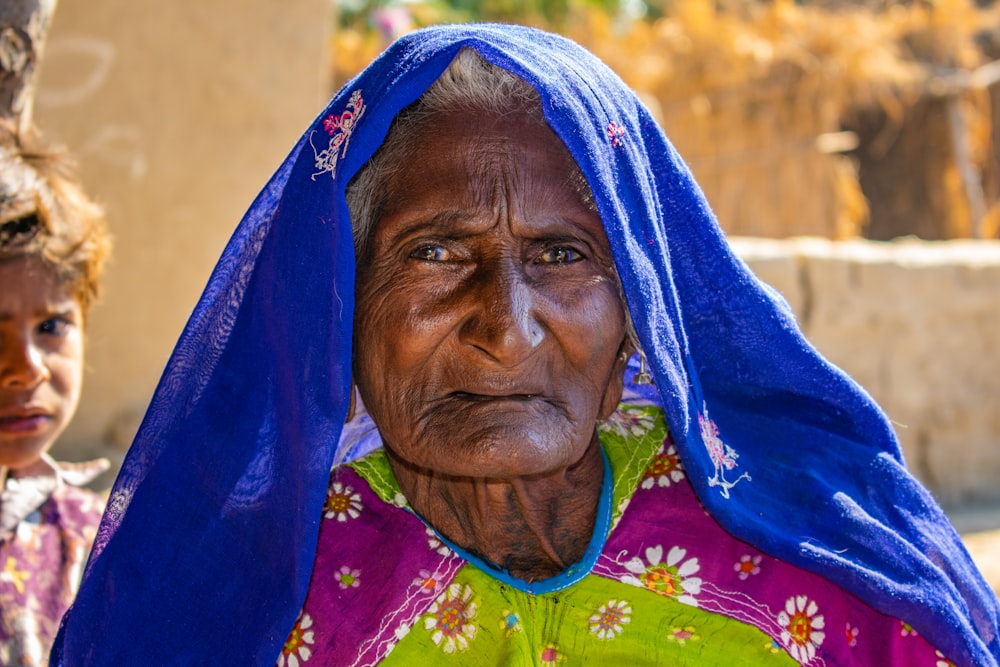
[24,25]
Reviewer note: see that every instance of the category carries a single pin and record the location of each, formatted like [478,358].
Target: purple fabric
[379,569]
[42,560]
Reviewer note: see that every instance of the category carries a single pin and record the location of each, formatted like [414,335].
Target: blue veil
[207,547]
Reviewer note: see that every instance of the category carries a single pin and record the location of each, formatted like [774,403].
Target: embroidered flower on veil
[723,456]
[340,127]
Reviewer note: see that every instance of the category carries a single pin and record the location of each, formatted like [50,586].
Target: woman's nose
[503,322]
[22,366]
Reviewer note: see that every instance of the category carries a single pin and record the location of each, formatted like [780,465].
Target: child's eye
[431,253]
[54,326]
[561,255]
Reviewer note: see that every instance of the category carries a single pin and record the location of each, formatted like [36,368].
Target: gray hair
[470,84]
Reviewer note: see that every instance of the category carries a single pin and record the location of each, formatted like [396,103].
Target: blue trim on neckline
[575,572]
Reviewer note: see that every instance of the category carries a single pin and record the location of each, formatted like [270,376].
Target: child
[53,243]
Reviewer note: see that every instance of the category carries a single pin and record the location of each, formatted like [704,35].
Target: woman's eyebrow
[450,222]
[569,228]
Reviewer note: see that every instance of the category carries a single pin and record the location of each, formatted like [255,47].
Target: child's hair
[44,211]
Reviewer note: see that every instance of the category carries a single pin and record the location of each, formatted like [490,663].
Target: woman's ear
[616,383]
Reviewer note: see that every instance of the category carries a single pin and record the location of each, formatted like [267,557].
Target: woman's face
[489,327]
[41,360]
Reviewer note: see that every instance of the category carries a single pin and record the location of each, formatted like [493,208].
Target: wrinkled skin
[490,338]
[41,362]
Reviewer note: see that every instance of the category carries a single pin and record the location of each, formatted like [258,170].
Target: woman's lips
[483,398]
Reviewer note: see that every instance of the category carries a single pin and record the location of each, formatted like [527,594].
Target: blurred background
[851,150]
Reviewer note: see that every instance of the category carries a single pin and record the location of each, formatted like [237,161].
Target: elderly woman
[523,233]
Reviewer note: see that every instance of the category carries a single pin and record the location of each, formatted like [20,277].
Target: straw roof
[756,97]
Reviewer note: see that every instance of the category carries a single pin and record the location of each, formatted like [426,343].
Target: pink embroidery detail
[723,456]
[348,577]
[615,133]
[551,656]
[340,127]
[852,635]
[428,583]
[748,566]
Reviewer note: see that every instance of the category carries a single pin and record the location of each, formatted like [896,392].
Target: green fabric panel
[477,621]
[629,450]
[374,468]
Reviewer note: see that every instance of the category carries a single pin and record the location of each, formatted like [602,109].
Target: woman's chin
[502,452]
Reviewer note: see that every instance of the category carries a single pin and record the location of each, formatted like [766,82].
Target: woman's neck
[533,527]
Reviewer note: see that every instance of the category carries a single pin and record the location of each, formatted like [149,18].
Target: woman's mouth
[485,398]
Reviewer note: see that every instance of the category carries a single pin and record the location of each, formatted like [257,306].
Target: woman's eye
[561,255]
[54,326]
[430,253]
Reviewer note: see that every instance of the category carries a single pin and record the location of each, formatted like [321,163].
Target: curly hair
[44,211]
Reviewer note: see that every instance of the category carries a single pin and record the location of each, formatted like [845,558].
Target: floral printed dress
[47,527]
[660,584]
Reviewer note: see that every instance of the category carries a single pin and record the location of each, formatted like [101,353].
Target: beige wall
[178,111]
[916,323]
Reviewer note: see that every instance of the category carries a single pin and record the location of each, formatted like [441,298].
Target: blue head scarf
[206,550]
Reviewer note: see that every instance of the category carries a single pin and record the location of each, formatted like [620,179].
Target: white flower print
[435,543]
[450,619]
[342,503]
[296,649]
[801,628]
[664,468]
[628,421]
[671,578]
[610,619]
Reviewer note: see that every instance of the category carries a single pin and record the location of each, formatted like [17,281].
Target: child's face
[41,360]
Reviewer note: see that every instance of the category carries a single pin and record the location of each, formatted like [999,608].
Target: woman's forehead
[487,103]
[495,164]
